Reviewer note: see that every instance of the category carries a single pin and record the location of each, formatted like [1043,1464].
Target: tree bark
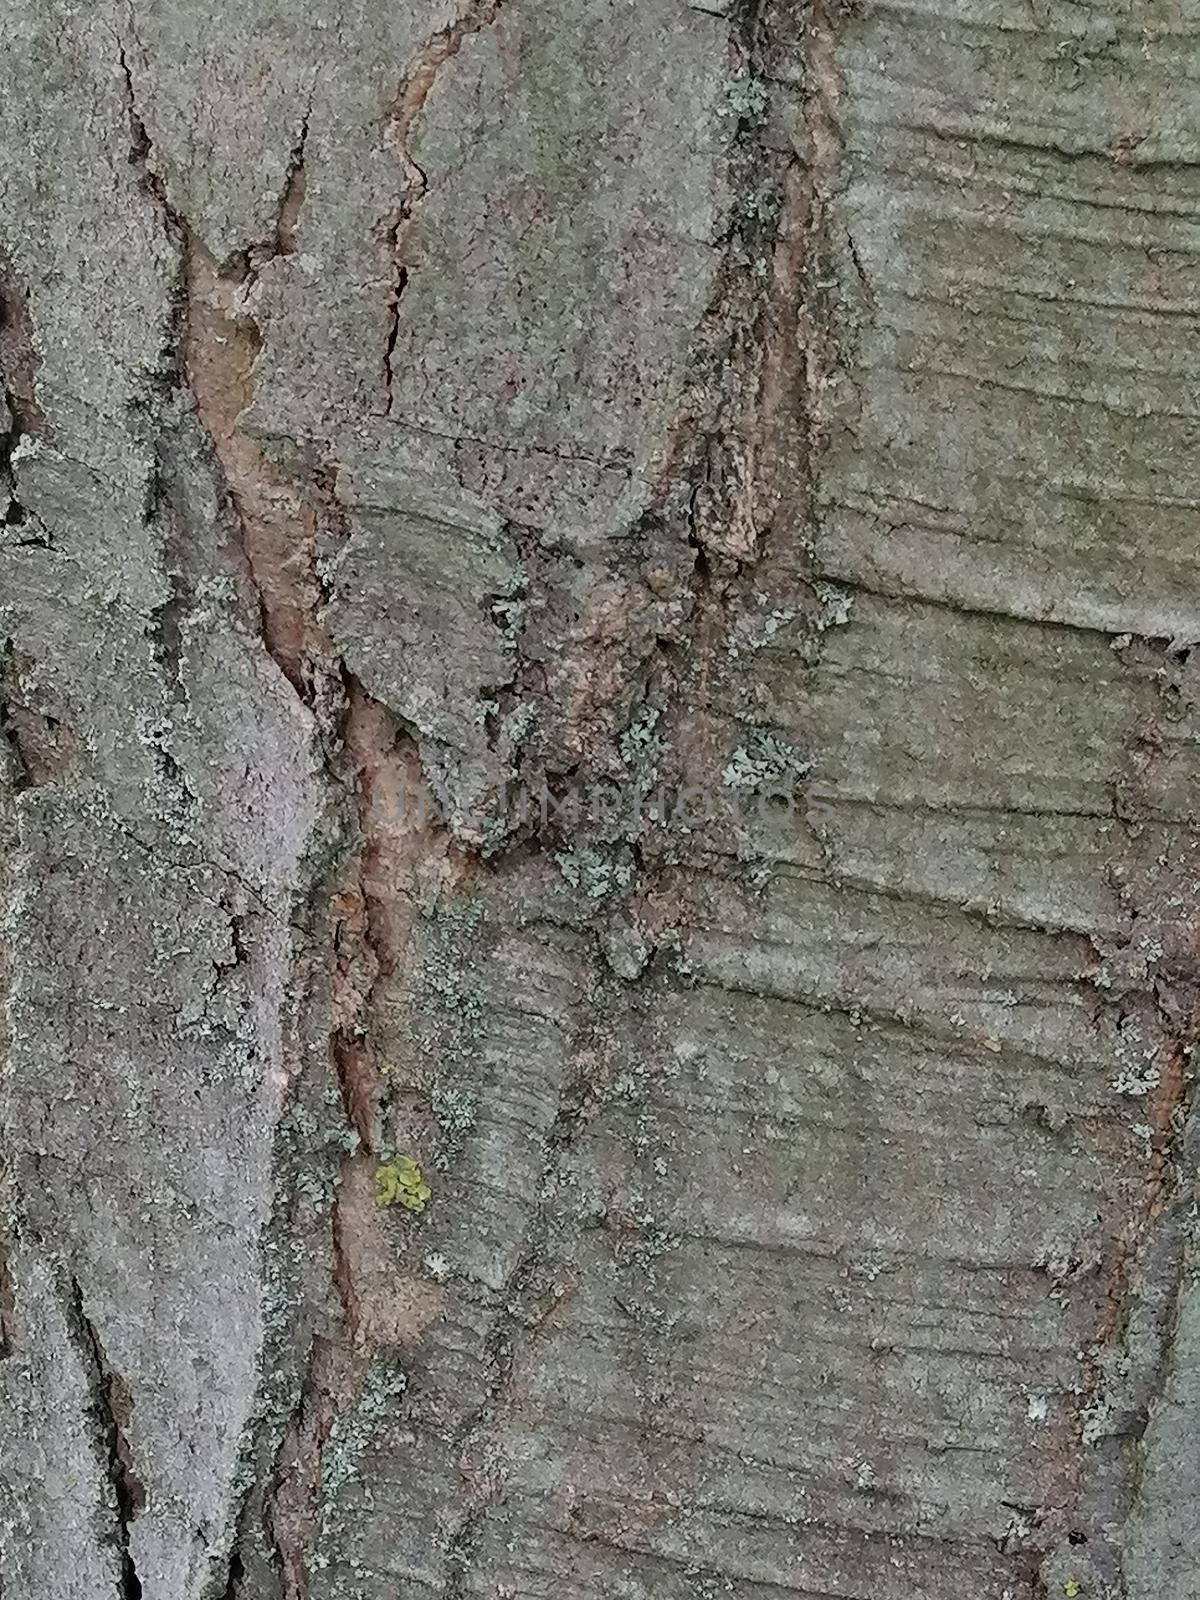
[598,799]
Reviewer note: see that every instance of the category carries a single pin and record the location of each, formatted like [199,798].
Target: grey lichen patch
[758,633]
[597,871]
[455,1108]
[447,1000]
[356,1431]
[765,762]
[642,748]
[746,99]
[626,947]
[836,604]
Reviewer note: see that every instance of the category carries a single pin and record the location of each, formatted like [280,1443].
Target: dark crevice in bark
[273,516]
[734,489]
[1150,994]
[371,747]
[41,748]
[402,118]
[141,154]
[163,514]
[337,1361]
[1168,999]
[160,512]
[14,514]
[18,776]
[234,1578]
[279,515]
[7,1299]
[111,1406]
[18,356]
[572,457]
[20,413]
[736,478]
[291,201]
[332,1380]
[215,341]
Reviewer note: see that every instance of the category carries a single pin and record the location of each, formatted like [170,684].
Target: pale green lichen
[772,624]
[1137,1080]
[401,1181]
[437,1266]
[519,724]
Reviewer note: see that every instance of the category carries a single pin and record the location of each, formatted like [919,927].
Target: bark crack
[368,944]
[401,119]
[111,1406]
[7,1298]
[291,201]
[276,519]
[141,151]
[20,414]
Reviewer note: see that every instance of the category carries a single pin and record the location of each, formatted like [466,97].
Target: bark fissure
[8,1327]
[401,119]
[332,1381]
[141,155]
[291,201]
[20,414]
[1163,999]
[111,1404]
[367,946]
[161,389]
[18,775]
[279,518]
[274,519]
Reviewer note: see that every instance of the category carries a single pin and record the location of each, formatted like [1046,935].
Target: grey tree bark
[598,797]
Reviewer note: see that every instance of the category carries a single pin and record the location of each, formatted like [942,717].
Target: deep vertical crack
[291,201]
[402,118]
[20,414]
[110,1407]
[7,1301]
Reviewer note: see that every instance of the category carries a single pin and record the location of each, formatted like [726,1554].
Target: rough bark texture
[777,420]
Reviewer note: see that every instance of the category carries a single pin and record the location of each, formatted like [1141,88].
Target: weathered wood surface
[780,420]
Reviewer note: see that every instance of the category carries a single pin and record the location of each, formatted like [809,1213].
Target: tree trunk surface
[598,799]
